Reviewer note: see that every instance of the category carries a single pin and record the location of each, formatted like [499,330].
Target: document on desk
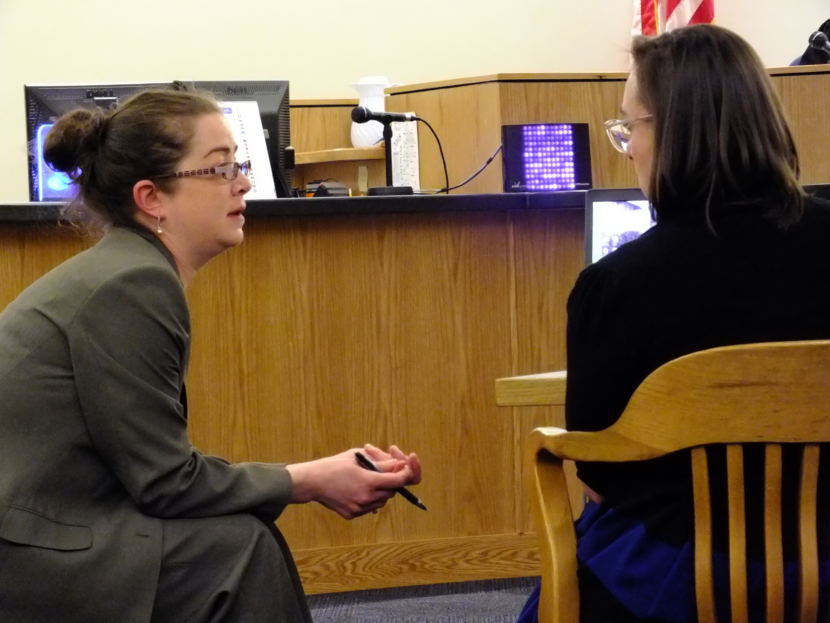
[405,163]
[246,125]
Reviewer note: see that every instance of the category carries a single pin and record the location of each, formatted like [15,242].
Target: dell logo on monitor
[91,93]
[237,91]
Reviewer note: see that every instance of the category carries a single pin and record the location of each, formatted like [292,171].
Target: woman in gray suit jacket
[107,512]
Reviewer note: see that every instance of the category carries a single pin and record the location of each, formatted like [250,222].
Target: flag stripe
[681,13]
[705,13]
[690,12]
[651,17]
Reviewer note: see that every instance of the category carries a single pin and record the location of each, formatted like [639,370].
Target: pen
[406,493]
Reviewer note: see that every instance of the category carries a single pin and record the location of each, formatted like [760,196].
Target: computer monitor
[822,191]
[613,216]
[45,103]
[271,97]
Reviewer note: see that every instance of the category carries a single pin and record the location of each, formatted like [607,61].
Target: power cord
[476,174]
[446,188]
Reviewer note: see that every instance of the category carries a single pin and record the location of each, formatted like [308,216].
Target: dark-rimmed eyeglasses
[228,171]
[619,131]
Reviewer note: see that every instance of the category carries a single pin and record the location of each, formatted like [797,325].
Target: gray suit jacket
[94,451]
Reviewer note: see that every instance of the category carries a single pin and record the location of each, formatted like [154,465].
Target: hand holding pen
[334,481]
[406,493]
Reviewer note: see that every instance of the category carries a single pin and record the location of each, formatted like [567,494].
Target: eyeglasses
[228,171]
[619,131]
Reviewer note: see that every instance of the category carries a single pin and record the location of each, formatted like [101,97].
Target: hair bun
[75,139]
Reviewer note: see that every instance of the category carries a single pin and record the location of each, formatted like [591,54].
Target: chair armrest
[547,388]
[603,445]
[552,511]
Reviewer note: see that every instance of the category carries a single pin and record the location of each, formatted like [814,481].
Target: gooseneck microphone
[818,41]
[361,114]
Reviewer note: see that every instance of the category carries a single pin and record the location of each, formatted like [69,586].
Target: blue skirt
[625,574]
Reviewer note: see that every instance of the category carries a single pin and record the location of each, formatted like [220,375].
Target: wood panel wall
[29,250]
[321,124]
[804,92]
[389,329]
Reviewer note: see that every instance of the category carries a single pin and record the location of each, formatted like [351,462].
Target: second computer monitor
[613,216]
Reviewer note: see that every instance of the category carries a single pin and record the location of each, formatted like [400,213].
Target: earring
[158,225]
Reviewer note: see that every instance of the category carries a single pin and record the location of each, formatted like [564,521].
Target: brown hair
[106,152]
[721,138]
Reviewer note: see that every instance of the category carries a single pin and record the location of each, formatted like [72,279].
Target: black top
[675,290]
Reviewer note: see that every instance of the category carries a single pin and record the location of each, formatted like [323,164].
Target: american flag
[652,17]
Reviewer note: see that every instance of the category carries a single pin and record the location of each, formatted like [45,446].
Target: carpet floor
[486,601]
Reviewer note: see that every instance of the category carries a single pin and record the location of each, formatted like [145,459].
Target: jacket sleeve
[129,344]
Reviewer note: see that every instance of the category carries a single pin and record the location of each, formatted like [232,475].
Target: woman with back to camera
[738,254]
[107,513]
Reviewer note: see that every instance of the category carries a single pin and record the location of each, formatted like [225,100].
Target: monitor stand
[389,190]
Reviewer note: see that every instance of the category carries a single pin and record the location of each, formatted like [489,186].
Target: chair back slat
[704,582]
[737,533]
[807,534]
[773,546]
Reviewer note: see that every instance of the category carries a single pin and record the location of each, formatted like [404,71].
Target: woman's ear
[147,200]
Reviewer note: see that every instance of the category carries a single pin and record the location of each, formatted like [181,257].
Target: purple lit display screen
[546,157]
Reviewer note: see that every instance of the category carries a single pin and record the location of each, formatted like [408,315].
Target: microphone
[818,41]
[361,114]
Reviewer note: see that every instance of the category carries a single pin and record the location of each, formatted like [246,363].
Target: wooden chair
[773,394]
